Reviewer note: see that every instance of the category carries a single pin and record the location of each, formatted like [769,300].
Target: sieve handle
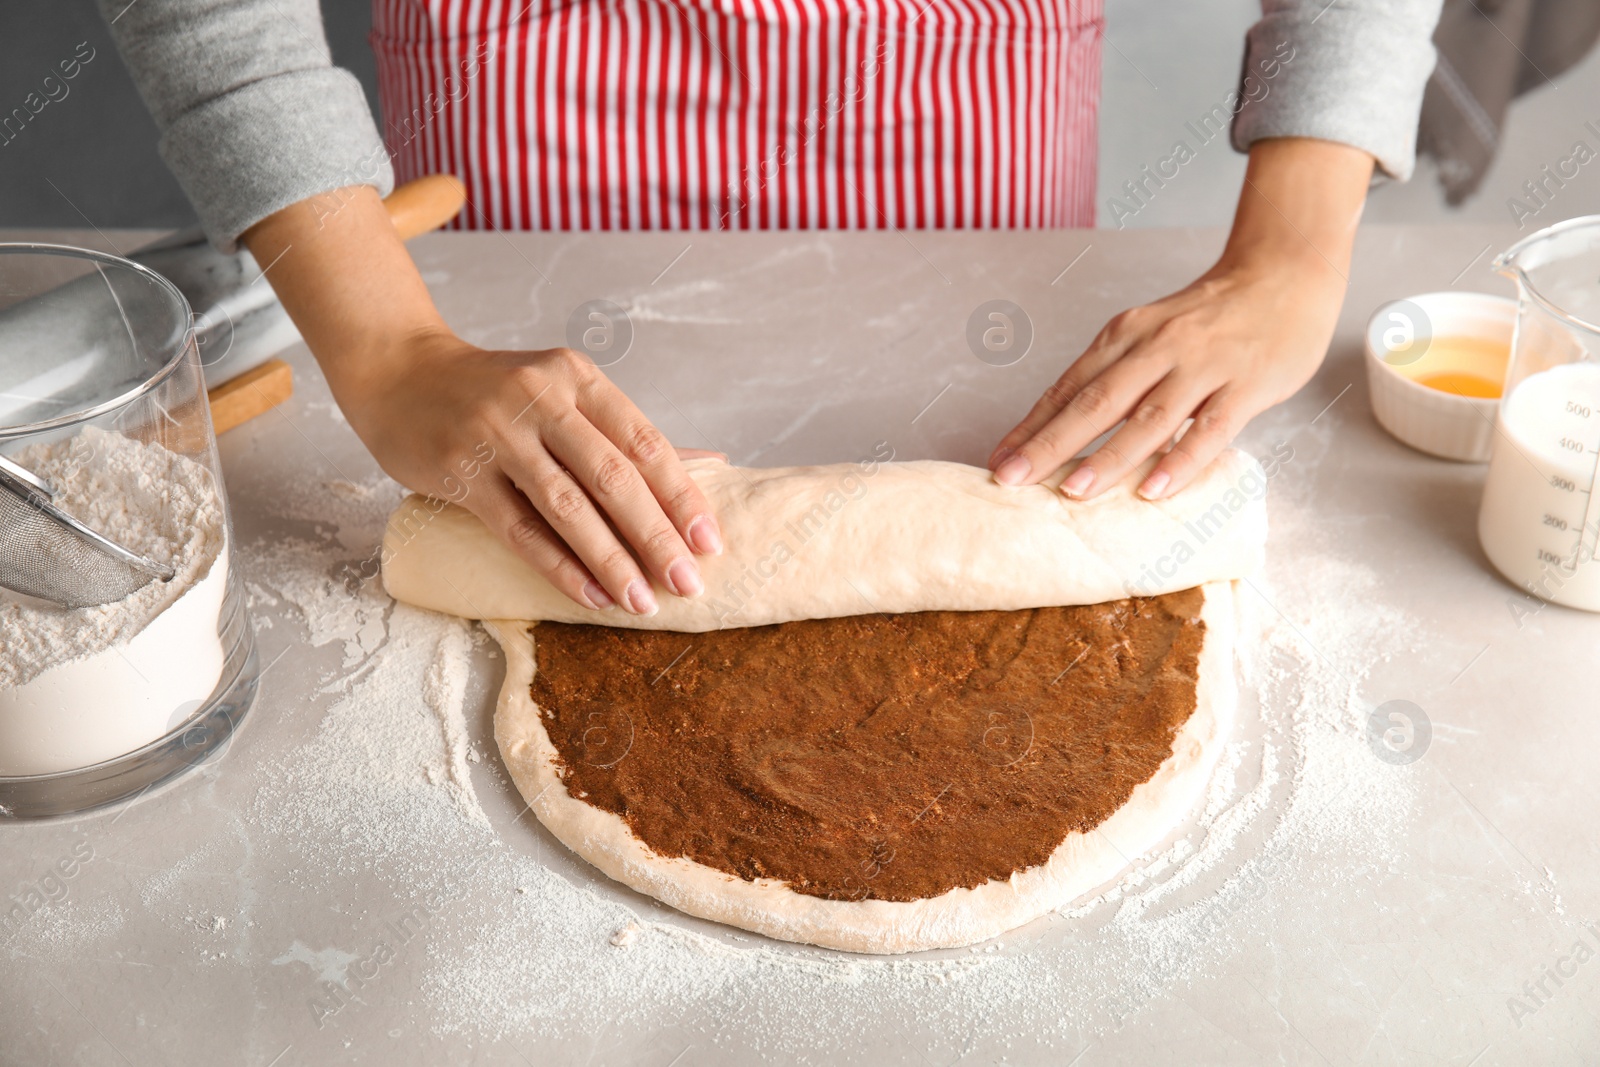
[20,477]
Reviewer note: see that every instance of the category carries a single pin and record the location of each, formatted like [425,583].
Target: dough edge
[923,535]
[954,919]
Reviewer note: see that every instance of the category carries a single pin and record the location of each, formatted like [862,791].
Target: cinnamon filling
[886,757]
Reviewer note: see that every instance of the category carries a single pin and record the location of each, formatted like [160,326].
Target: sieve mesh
[47,554]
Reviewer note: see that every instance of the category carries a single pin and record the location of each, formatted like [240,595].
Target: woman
[688,114]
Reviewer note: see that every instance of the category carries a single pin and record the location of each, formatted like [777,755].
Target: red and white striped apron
[747,114]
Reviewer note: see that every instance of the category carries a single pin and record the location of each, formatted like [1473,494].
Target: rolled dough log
[856,538]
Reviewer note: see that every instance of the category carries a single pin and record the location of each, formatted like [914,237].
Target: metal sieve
[48,554]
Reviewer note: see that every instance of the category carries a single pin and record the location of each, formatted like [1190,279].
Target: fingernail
[1000,457]
[596,595]
[1079,481]
[704,536]
[684,578]
[641,601]
[1013,470]
[1155,485]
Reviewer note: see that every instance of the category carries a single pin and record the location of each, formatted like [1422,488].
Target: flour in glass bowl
[83,685]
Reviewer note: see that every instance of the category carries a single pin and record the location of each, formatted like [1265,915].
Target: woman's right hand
[539,445]
[551,455]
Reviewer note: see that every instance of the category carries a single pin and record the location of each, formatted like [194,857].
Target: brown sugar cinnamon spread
[889,757]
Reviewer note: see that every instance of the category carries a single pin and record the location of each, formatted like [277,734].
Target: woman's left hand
[1248,334]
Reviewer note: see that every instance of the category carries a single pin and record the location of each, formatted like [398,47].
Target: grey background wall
[1167,62]
[91,156]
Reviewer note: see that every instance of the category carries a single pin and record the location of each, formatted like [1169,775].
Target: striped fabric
[747,114]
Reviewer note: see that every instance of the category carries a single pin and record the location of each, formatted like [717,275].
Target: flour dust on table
[520,944]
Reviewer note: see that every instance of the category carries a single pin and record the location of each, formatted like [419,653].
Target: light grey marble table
[1363,912]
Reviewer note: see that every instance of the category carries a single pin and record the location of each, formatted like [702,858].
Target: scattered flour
[444,690]
[362,766]
[328,964]
[73,925]
[350,490]
[329,614]
[163,884]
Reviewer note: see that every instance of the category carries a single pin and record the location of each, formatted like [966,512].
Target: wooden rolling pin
[415,208]
[244,396]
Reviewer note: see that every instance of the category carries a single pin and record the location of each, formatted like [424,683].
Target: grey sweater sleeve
[1351,71]
[253,114]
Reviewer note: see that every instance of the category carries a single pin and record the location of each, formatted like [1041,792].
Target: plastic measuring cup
[1540,517]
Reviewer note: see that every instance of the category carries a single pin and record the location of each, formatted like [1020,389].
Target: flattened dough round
[958,917]
[856,539]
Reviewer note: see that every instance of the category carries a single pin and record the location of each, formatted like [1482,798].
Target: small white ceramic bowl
[1438,423]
